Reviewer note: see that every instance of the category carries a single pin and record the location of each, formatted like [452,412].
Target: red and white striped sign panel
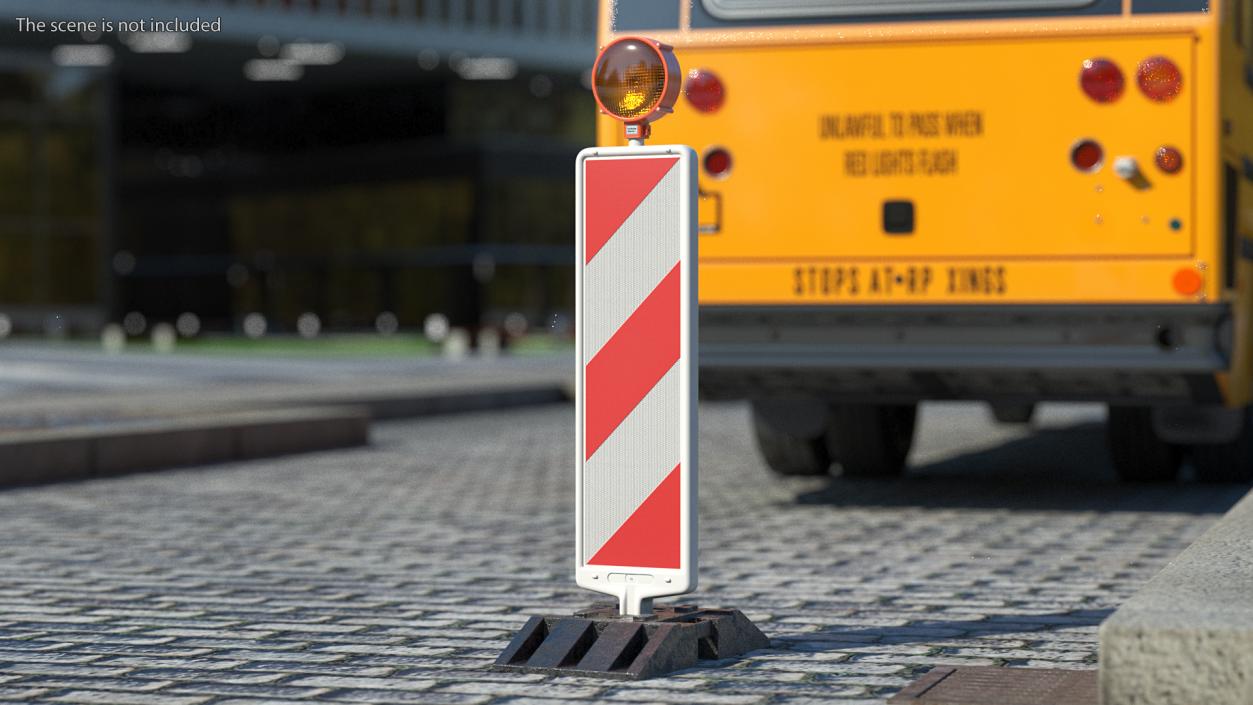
[636,389]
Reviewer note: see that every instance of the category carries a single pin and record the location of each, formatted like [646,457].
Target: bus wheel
[1226,462]
[1138,454]
[871,440]
[786,451]
[1013,413]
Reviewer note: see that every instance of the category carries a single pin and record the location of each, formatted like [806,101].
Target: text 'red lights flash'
[1102,80]
[1159,79]
[636,80]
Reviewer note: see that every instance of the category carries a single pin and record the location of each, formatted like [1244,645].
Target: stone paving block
[395,696]
[21,694]
[700,698]
[261,691]
[288,668]
[103,684]
[411,684]
[96,697]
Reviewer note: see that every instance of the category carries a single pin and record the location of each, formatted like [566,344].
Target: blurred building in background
[342,157]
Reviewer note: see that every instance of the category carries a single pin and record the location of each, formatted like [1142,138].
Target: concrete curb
[1187,636]
[203,426]
[387,399]
[404,406]
[96,451]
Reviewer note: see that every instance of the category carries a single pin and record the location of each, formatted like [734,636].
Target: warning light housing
[636,80]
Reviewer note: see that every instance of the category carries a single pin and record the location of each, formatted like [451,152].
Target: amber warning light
[636,80]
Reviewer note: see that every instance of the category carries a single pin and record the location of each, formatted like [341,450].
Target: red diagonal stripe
[631,362]
[613,189]
[650,537]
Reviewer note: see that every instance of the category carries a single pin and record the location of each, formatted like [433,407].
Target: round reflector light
[1102,80]
[1159,79]
[704,90]
[1169,160]
[1087,155]
[718,162]
[1188,281]
[635,79]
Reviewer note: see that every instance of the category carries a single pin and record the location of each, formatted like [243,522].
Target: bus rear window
[763,9]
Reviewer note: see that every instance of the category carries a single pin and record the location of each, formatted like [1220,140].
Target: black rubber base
[598,642]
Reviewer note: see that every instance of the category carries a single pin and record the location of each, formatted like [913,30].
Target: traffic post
[636,402]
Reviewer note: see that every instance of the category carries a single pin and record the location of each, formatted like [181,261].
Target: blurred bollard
[489,343]
[113,339]
[188,324]
[386,323]
[254,325]
[515,325]
[164,338]
[308,325]
[6,326]
[457,344]
[435,327]
[134,323]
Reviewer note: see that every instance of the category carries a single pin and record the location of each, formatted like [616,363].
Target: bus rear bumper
[1166,354]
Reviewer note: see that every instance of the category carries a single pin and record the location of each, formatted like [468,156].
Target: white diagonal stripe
[631,463]
[631,264]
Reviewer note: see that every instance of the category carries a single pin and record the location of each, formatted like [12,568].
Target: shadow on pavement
[931,630]
[1052,469]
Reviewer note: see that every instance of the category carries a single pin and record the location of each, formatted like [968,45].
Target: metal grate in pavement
[987,685]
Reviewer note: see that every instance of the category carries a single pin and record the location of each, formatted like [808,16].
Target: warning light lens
[1160,79]
[1169,160]
[1087,156]
[1188,281]
[704,90]
[630,79]
[718,162]
[1102,80]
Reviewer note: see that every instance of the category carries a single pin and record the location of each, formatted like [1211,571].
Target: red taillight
[1087,155]
[1159,78]
[718,162]
[1169,160]
[1102,80]
[704,90]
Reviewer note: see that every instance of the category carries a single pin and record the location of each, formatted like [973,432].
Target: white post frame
[636,586]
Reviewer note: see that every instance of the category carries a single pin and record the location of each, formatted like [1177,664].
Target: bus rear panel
[924,201]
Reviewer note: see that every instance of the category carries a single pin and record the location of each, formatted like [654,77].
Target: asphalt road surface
[37,369]
[397,573]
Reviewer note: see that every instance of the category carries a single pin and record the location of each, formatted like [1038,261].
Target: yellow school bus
[1002,200]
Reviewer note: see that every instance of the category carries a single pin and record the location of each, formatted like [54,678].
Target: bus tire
[788,453]
[1009,413]
[1226,462]
[871,440]
[1136,451]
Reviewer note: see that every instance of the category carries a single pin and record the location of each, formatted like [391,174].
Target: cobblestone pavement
[395,574]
